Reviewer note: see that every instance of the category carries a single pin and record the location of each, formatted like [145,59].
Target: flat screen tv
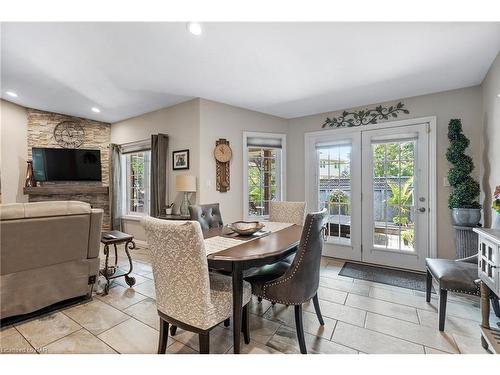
[61,164]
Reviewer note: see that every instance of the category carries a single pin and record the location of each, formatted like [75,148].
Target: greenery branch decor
[365,117]
[465,188]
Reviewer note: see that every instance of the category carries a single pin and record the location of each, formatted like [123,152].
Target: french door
[375,186]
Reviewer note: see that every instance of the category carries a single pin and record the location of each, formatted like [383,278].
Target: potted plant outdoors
[496,208]
[466,210]
[402,198]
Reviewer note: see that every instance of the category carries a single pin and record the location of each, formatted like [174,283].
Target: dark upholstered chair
[296,283]
[455,276]
[208,215]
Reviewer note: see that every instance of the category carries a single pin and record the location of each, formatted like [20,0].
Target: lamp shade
[185,182]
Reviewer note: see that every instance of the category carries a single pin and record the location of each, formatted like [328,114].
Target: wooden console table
[489,274]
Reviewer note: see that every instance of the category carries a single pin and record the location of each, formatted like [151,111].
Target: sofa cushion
[454,276]
[43,209]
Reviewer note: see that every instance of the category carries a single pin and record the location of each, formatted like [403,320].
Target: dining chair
[296,283]
[187,294]
[208,215]
[287,212]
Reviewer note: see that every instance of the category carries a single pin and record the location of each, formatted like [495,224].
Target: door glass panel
[334,171]
[393,194]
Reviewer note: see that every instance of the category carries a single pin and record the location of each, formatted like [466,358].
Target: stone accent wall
[41,126]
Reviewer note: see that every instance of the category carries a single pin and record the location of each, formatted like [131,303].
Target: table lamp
[185,184]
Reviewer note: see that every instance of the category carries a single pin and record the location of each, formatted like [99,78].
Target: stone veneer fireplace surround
[41,126]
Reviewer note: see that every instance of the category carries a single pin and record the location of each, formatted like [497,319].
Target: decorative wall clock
[69,134]
[222,154]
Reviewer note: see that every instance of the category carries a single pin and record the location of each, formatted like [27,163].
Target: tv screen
[60,164]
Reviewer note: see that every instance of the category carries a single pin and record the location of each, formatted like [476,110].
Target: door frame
[310,173]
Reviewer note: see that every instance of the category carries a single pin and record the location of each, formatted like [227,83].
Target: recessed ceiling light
[11,93]
[96,110]
[194,28]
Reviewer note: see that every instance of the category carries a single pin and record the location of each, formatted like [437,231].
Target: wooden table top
[270,245]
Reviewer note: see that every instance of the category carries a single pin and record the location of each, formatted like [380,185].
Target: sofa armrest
[95,233]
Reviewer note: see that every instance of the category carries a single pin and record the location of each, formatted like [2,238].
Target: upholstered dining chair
[296,283]
[287,212]
[187,294]
[208,215]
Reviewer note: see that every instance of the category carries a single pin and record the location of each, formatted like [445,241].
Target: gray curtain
[115,186]
[159,183]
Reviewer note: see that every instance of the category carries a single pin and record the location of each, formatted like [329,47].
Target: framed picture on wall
[180,160]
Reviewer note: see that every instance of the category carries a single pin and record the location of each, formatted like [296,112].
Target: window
[263,167]
[136,180]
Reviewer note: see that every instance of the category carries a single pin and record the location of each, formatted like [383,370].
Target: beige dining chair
[188,296]
[287,212]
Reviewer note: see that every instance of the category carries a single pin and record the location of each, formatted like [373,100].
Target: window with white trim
[263,167]
[136,168]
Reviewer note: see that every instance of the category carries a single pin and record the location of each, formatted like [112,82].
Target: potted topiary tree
[466,210]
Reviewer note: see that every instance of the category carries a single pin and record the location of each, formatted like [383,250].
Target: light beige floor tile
[374,284]
[403,298]
[148,275]
[259,308]
[339,312]
[469,345]
[371,342]
[433,351]
[49,328]
[255,348]
[179,348]
[146,312]
[147,288]
[79,342]
[310,321]
[411,332]
[382,307]
[261,330]
[453,324]
[131,337]
[344,286]
[330,270]
[96,316]
[285,341]
[220,340]
[138,280]
[121,297]
[462,310]
[332,295]
[12,342]
[142,268]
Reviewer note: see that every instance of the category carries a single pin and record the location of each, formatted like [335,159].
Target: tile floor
[360,317]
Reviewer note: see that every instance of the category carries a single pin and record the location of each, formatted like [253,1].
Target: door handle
[422,209]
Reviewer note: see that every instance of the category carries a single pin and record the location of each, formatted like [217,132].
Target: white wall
[14,151]
[224,121]
[491,137]
[463,103]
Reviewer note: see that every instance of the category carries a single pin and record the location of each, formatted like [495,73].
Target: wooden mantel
[66,189]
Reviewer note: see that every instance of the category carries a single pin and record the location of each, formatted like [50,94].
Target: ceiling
[284,69]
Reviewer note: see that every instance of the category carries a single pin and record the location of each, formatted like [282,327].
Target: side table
[112,272]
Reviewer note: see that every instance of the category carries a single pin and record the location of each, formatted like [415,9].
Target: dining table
[234,254]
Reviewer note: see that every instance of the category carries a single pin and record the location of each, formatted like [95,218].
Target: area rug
[399,278]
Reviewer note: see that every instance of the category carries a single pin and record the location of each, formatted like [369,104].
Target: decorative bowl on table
[246,228]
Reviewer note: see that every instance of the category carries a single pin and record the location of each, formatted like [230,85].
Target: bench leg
[443,294]
[428,289]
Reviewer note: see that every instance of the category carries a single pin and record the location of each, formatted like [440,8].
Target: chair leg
[259,299]
[496,306]
[162,343]
[204,342]
[428,289]
[300,329]
[227,322]
[443,294]
[173,330]
[245,325]
[318,311]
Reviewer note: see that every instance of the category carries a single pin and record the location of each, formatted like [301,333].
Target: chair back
[180,269]
[208,215]
[300,282]
[287,212]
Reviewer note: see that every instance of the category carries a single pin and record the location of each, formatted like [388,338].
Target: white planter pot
[495,222]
